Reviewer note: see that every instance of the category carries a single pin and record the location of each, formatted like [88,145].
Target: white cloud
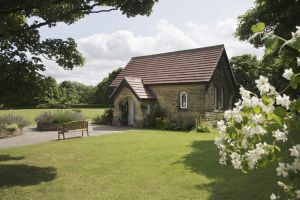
[105,52]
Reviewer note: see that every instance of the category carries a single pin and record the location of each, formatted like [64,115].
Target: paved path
[32,136]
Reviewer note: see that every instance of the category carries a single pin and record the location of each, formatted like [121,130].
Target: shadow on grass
[8,157]
[225,182]
[25,175]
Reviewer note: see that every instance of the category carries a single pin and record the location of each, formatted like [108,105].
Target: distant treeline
[47,93]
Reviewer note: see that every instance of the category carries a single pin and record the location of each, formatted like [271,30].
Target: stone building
[186,84]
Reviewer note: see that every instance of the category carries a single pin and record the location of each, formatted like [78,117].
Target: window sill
[183,109]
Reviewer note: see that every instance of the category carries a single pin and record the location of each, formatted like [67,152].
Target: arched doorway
[128,110]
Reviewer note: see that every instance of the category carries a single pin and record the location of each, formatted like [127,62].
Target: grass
[30,114]
[134,165]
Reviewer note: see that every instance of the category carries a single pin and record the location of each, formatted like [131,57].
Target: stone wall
[213,116]
[168,98]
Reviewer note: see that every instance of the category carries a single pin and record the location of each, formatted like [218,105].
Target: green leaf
[266,99]
[273,127]
[295,81]
[271,43]
[276,118]
[257,110]
[259,27]
[280,111]
[294,43]
[298,105]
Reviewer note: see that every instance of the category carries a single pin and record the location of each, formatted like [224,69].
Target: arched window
[183,100]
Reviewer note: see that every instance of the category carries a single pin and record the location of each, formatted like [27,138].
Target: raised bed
[46,126]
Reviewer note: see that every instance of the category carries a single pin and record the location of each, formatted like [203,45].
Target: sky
[109,40]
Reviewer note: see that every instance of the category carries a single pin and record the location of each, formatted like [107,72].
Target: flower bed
[50,121]
[47,126]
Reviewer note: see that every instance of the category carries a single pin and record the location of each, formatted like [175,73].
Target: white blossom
[297,194]
[259,130]
[223,158]
[288,73]
[238,118]
[263,84]
[228,114]
[257,118]
[266,108]
[245,143]
[296,165]
[236,160]
[254,101]
[254,155]
[298,61]
[273,197]
[283,101]
[247,130]
[295,151]
[282,170]
[281,184]
[244,93]
[273,91]
[221,126]
[280,135]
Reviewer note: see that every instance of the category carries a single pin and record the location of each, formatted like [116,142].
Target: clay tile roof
[188,66]
[137,87]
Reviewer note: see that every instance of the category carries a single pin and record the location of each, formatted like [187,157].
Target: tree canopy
[245,69]
[104,90]
[22,50]
[280,16]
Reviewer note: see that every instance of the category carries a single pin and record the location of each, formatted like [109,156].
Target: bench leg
[87,132]
[64,135]
[82,133]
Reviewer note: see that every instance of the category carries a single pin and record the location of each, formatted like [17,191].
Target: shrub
[10,123]
[13,119]
[203,126]
[11,127]
[105,118]
[154,119]
[158,119]
[60,116]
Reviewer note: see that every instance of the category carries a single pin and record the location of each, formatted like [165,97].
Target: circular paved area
[32,136]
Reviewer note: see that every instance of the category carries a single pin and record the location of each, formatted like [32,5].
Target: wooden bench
[73,126]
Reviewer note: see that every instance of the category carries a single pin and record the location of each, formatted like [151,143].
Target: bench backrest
[75,125]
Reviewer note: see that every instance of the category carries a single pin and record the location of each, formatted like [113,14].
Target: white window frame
[186,100]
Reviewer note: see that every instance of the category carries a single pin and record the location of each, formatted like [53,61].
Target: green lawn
[30,114]
[134,165]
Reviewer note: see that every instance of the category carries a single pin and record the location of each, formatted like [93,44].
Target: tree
[86,93]
[245,70]
[19,85]
[104,90]
[21,47]
[50,95]
[68,93]
[279,16]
